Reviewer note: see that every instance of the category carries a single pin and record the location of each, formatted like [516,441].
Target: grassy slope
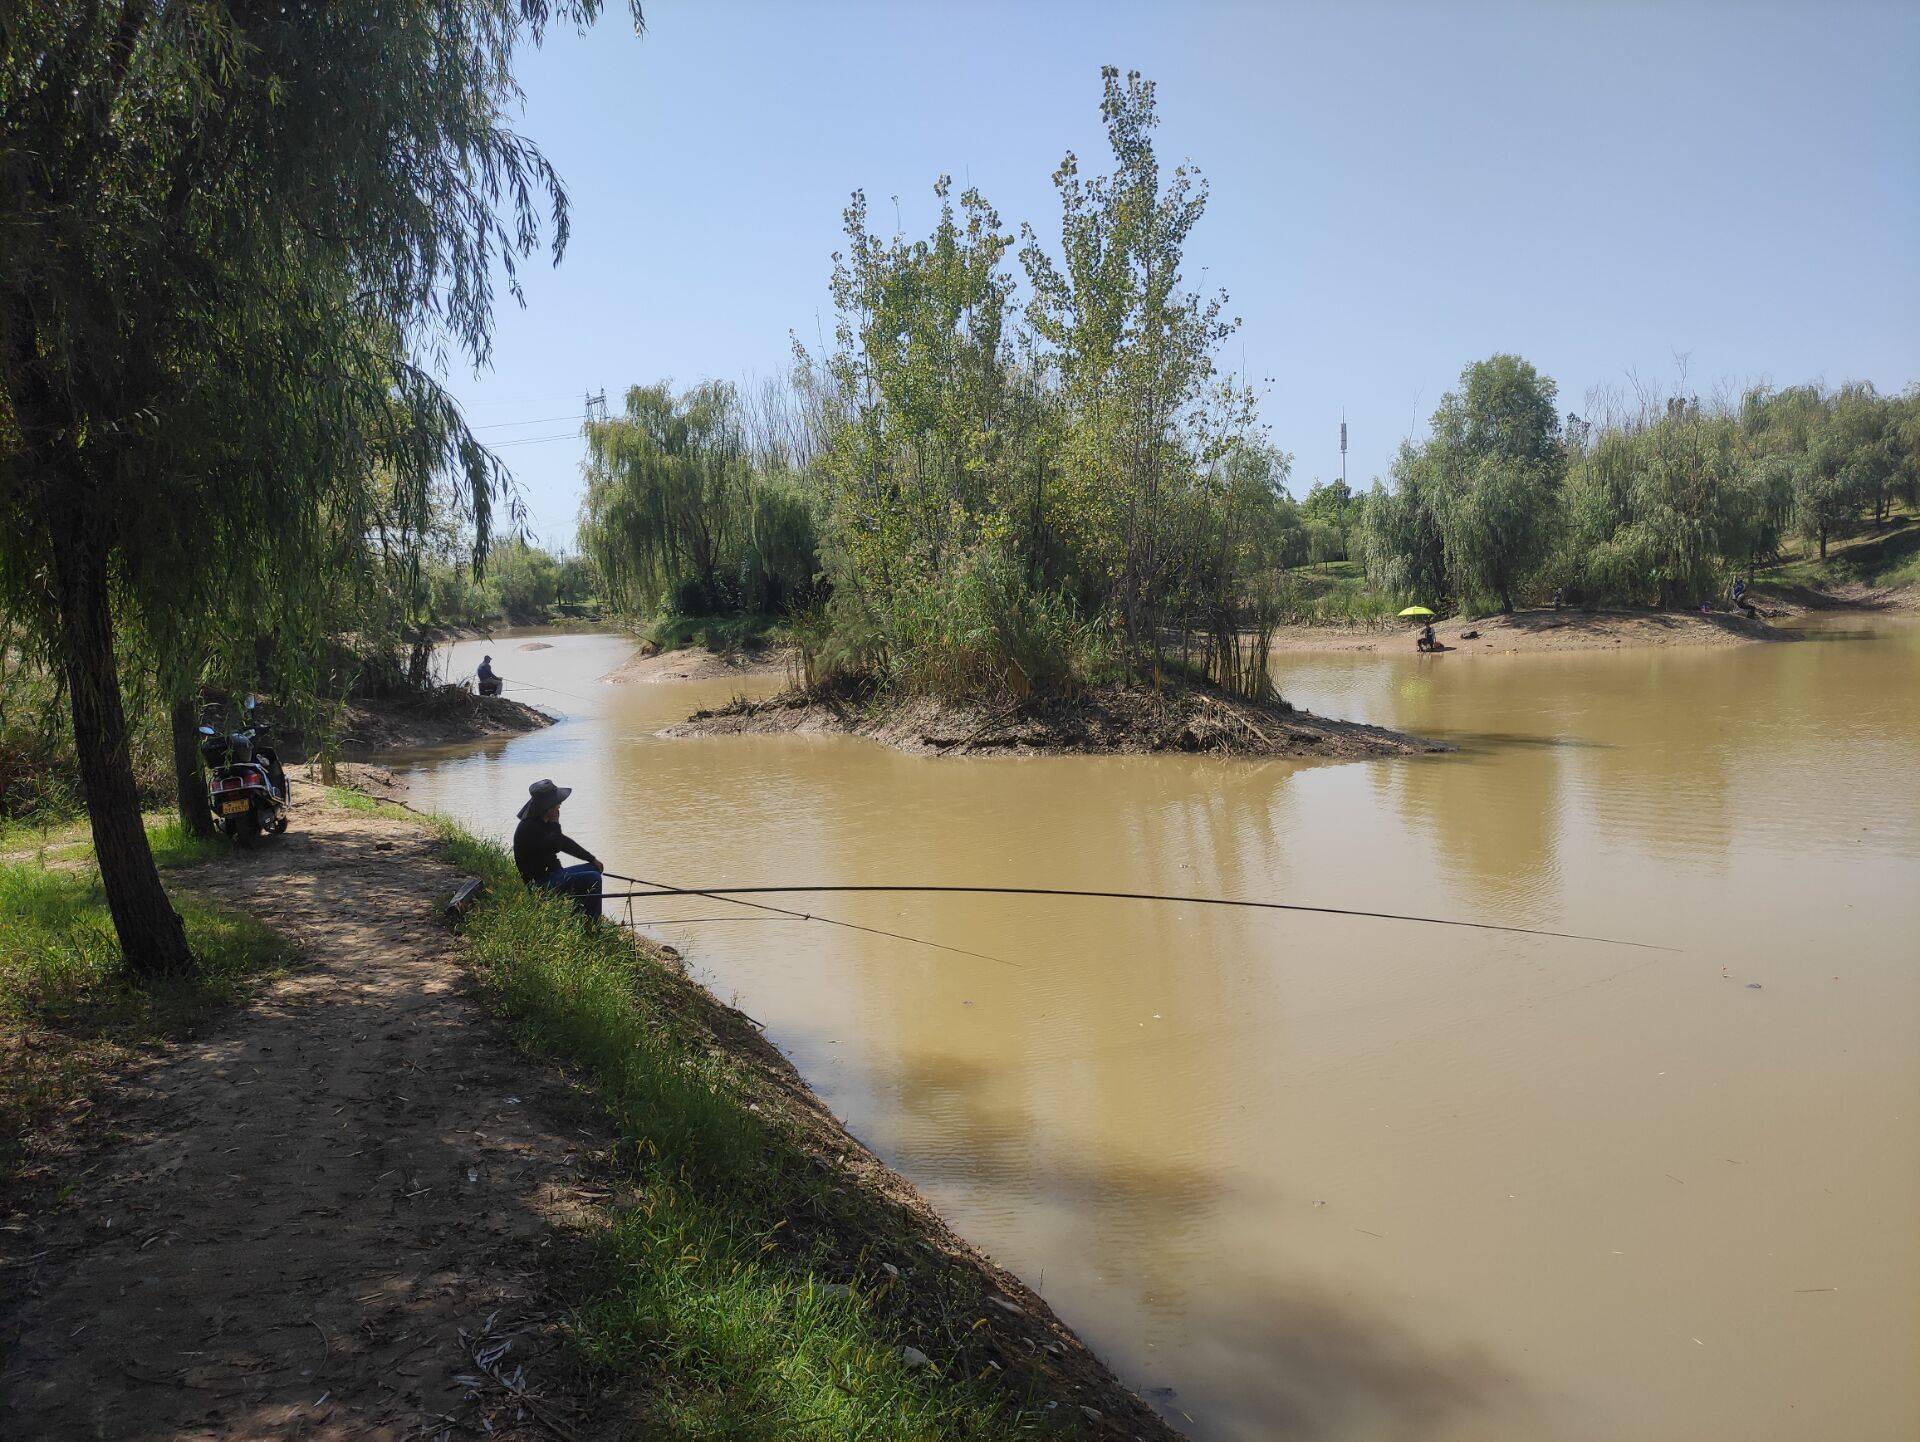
[1335,593]
[713,1301]
[69,1018]
[1882,559]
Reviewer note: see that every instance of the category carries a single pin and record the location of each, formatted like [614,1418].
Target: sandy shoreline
[1542,630]
[696,663]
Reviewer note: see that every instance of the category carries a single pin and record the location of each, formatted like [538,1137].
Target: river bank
[1179,717]
[1536,630]
[651,665]
[529,1181]
[1541,630]
[443,716]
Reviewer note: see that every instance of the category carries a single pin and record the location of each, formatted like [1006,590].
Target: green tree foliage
[1662,506]
[1131,354]
[1332,515]
[1848,450]
[1652,514]
[1025,496]
[680,518]
[1497,467]
[218,226]
[1400,540]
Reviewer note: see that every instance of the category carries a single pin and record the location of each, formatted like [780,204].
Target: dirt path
[319,1210]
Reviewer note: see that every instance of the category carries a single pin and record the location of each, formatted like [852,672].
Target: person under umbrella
[1423,640]
[538,842]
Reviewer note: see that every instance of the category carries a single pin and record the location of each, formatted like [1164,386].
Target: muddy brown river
[1331,1178]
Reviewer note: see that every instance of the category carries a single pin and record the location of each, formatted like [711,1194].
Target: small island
[1117,718]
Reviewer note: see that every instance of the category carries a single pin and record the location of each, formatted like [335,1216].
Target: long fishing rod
[729,893]
[552,690]
[663,890]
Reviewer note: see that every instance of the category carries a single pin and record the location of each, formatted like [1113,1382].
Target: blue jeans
[582,883]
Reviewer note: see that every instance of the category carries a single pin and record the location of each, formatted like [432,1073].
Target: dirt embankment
[441,717]
[1112,719]
[353,1210]
[1542,630]
[697,663]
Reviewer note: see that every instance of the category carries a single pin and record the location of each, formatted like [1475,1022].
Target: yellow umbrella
[1416,611]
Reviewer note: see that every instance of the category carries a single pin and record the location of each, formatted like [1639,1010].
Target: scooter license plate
[233,808]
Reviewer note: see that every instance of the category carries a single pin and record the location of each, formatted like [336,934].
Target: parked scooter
[247,787]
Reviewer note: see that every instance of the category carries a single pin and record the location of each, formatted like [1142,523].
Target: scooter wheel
[246,832]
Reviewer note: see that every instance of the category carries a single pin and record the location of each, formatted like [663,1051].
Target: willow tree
[1498,465]
[667,497]
[221,205]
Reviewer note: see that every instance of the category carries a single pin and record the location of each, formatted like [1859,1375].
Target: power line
[539,421]
[496,402]
[535,440]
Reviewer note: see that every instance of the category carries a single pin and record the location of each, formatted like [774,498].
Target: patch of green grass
[708,1303]
[1336,594]
[69,1013]
[41,831]
[1882,559]
[71,840]
[716,633]
[173,845]
[367,805]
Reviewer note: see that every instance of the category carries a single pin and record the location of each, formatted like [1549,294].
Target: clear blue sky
[1397,189]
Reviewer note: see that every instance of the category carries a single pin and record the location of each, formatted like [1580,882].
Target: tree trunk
[152,939]
[189,777]
[1823,542]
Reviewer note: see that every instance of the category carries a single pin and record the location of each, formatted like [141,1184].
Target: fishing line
[554,690]
[690,920]
[728,893]
[660,890]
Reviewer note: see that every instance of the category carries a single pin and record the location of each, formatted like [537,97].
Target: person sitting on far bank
[538,842]
[1425,639]
[489,682]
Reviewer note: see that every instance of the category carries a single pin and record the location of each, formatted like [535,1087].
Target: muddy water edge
[1343,1179]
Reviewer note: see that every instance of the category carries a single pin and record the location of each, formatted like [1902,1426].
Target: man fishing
[538,842]
[489,681]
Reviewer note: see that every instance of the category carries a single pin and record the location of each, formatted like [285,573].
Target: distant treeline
[1024,483]
[520,585]
[1661,505]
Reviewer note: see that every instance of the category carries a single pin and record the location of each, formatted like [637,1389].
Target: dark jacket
[537,844]
[486,671]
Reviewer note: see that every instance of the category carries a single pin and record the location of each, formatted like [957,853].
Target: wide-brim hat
[543,796]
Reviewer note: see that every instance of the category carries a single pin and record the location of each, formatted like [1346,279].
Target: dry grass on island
[1120,718]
